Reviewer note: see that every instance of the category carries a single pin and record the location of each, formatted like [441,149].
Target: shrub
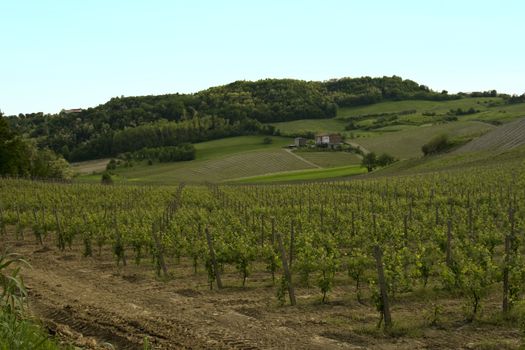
[436,145]
[112,165]
[106,178]
[385,159]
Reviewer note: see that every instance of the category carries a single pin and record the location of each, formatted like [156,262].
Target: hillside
[505,137]
[234,109]
[215,161]
[504,146]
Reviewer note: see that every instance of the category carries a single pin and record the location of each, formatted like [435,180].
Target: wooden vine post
[213,258]
[159,250]
[509,237]
[385,306]
[449,243]
[287,273]
[292,241]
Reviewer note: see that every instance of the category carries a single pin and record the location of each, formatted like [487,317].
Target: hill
[215,161]
[234,109]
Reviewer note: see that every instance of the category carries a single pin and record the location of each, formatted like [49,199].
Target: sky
[57,54]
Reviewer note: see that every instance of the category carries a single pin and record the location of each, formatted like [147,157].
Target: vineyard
[378,244]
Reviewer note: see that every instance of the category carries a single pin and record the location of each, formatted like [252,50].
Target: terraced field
[505,137]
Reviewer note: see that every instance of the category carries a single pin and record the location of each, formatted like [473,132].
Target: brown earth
[92,303]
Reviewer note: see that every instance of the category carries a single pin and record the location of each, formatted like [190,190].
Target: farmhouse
[329,140]
[69,111]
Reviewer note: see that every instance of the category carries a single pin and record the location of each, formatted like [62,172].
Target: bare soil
[93,303]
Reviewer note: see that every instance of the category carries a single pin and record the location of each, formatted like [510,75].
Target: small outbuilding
[300,142]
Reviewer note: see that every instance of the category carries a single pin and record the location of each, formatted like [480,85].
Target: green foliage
[13,290]
[238,108]
[460,111]
[16,333]
[385,159]
[20,157]
[20,334]
[182,152]
[112,165]
[14,157]
[369,161]
[106,178]
[436,145]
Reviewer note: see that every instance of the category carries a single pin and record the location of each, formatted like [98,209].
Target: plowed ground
[92,303]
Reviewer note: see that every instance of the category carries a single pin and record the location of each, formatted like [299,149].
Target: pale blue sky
[58,54]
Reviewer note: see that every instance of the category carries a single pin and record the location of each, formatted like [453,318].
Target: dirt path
[93,302]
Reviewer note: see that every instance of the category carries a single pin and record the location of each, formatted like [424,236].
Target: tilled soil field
[94,304]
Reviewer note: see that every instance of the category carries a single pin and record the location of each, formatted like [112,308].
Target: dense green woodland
[126,124]
[21,157]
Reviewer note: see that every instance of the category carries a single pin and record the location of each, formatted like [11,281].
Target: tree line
[22,157]
[238,108]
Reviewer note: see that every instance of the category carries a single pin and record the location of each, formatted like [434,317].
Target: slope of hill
[505,137]
[407,143]
[215,161]
[230,110]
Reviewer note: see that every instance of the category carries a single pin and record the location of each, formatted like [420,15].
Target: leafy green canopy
[238,108]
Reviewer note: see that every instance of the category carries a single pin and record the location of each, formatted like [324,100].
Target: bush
[385,159]
[112,165]
[436,145]
[106,178]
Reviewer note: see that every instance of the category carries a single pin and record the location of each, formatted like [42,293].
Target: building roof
[326,134]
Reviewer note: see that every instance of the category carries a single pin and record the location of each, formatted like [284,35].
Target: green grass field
[407,143]
[491,109]
[513,158]
[304,125]
[216,161]
[437,107]
[330,159]
[304,175]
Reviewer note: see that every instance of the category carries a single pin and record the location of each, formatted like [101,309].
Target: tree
[385,159]
[369,161]
[14,158]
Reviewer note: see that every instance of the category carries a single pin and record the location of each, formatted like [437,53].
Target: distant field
[224,147]
[420,106]
[491,109]
[305,175]
[407,143]
[505,137]
[317,125]
[247,156]
[217,161]
[90,166]
[512,158]
[330,159]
